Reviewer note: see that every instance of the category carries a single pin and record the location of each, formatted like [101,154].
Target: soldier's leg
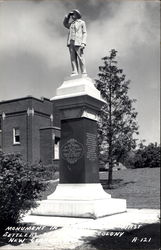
[81,59]
[73,57]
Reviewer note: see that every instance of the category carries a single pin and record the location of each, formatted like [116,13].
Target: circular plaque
[72,151]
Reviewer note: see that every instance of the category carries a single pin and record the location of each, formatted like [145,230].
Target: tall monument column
[79,192]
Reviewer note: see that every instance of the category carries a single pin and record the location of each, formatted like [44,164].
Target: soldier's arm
[84,33]
[66,21]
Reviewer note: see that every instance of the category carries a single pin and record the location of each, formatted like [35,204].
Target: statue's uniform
[76,37]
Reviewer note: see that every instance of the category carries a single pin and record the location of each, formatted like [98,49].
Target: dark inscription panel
[91,146]
[78,151]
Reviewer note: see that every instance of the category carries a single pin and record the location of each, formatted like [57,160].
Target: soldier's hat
[77,13]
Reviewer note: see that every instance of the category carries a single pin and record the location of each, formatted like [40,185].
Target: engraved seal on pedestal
[72,151]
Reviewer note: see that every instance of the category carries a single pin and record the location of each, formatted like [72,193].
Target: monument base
[77,86]
[80,200]
[79,193]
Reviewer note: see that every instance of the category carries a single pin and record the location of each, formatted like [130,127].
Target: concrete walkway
[73,231]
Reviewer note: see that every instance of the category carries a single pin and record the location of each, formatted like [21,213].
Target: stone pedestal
[76,86]
[79,193]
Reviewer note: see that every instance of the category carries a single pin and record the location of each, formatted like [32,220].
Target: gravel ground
[78,233]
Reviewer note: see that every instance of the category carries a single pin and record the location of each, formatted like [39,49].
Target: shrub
[44,172]
[129,160]
[20,186]
[144,157]
[148,156]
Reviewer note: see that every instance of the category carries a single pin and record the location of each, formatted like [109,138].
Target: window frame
[57,147]
[14,136]
[0,124]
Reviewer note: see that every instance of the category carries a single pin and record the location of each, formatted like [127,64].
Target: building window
[56,148]
[16,136]
[0,140]
[0,134]
[0,124]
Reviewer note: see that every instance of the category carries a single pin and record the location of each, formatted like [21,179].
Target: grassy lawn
[140,187]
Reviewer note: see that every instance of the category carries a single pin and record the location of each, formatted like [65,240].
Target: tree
[147,156]
[117,123]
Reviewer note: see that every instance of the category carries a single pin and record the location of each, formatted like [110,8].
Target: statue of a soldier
[76,41]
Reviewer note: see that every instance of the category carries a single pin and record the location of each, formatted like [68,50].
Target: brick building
[31,127]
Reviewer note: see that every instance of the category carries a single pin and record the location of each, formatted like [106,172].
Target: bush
[148,156]
[44,172]
[144,157]
[20,186]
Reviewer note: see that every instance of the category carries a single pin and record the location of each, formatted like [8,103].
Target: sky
[34,59]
